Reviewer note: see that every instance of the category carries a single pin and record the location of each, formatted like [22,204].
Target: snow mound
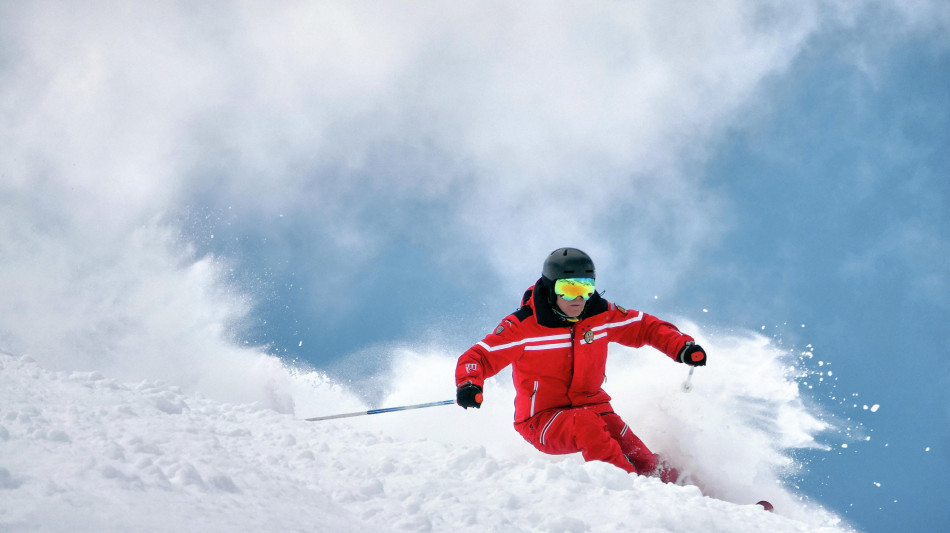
[80,451]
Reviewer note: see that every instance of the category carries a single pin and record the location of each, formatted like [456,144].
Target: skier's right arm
[485,359]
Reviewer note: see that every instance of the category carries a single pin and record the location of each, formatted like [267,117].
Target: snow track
[82,452]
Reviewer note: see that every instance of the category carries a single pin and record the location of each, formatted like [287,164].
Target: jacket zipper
[571,353]
[534,393]
[534,396]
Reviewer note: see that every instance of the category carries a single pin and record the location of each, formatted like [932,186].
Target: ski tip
[766,505]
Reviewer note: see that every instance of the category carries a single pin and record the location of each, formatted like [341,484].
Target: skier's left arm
[647,329]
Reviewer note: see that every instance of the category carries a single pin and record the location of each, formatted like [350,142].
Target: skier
[557,346]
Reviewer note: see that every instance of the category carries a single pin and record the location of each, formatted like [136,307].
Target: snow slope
[80,451]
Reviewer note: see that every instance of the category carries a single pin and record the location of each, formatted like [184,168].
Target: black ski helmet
[567,263]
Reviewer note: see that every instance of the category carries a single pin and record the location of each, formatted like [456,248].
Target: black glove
[693,355]
[469,395]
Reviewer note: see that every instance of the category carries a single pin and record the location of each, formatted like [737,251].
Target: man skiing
[557,346]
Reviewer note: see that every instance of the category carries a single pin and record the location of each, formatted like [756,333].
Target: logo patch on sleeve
[499,329]
[471,368]
[621,309]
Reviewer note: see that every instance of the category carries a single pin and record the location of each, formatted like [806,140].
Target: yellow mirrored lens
[572,288]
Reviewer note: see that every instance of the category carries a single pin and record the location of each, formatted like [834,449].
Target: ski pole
[378,411]
[688,384]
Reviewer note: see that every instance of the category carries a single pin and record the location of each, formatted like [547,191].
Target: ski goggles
[572,288]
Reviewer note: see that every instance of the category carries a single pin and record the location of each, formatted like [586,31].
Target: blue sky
[330,180]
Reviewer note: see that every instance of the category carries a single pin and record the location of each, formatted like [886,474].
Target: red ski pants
[595,431]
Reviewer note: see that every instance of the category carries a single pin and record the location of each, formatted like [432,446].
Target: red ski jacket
[557,363]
